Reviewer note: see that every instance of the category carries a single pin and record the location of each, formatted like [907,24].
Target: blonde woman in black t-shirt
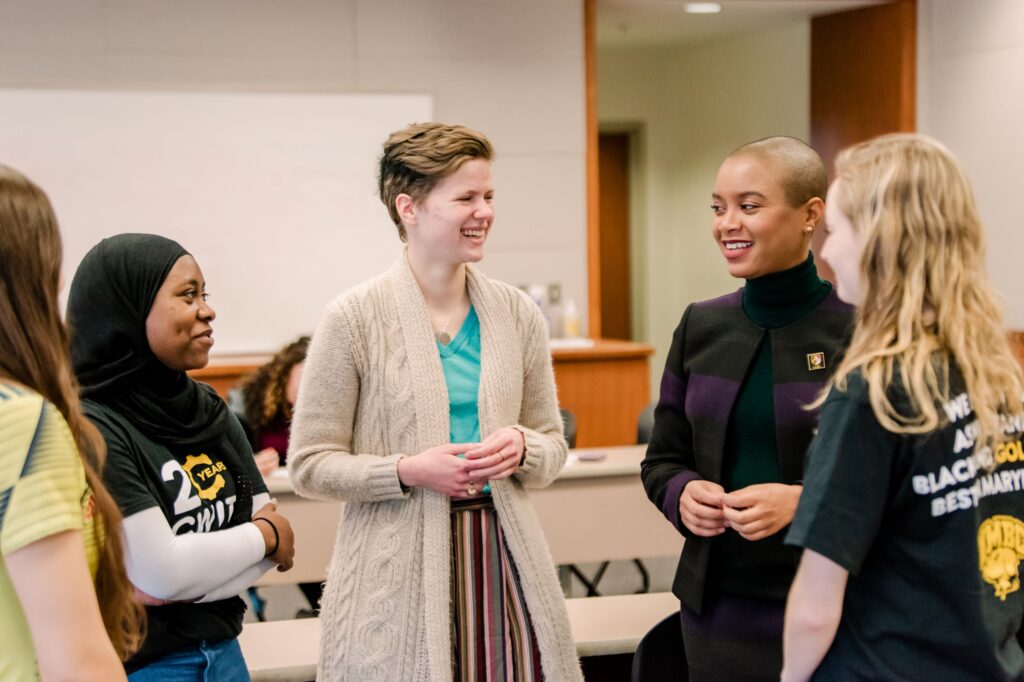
[912,515]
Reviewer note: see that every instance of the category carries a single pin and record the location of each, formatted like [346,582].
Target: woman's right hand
[284,555]
[700,508]
[440,469]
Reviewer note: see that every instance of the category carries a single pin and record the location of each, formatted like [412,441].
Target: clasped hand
[755,512]
[284,550]
[441,469]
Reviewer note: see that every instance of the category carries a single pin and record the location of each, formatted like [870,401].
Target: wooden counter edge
[603,349]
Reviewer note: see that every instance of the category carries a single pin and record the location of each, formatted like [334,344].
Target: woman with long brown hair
[66,607]
[912,516]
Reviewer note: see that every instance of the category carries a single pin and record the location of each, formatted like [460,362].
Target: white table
[287,650]
[594,511]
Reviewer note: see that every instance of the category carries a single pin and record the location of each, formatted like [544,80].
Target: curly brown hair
[263,393]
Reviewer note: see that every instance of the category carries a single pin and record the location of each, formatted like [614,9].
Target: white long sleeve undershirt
[209,566]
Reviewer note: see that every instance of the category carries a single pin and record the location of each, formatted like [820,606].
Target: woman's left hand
[760,510]
[497,456]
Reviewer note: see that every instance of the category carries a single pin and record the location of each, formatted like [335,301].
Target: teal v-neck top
[460,361]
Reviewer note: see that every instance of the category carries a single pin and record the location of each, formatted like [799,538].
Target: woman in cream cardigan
[428,405]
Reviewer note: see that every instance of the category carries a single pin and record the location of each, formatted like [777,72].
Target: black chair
[236,405]
[645,425]
[660,656]
[569,426]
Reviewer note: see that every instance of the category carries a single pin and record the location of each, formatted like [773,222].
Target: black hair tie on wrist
[277,538]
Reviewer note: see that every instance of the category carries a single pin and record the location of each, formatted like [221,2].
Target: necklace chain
[442,336]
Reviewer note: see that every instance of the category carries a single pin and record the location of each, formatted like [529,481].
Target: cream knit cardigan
[372,392]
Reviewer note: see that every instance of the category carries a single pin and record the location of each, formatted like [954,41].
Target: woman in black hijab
[178,462]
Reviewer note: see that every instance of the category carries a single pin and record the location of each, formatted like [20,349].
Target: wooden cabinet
[225,372]
[605,386]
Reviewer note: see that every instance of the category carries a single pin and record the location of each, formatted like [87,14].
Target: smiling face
[843,249]
[450,225]
[178,326]
[756,229]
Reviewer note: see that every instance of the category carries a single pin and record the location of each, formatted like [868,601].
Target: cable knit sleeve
[320,458]
[539,420]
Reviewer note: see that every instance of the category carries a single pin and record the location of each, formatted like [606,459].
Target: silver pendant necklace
[442,336]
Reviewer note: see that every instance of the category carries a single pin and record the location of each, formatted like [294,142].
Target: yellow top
[42,492]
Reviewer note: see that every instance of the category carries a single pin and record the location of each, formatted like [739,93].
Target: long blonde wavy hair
[926,297]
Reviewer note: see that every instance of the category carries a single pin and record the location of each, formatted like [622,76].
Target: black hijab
[110,298]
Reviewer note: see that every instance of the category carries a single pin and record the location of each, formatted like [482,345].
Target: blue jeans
[217,662]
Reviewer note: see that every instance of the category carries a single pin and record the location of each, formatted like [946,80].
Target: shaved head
[802,170]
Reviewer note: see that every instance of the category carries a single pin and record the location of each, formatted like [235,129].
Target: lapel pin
[815,361]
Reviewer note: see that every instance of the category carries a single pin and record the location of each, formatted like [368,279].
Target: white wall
[971,98]
[513,70]
[692,105]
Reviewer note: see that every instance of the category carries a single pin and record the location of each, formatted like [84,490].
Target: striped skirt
[492,637]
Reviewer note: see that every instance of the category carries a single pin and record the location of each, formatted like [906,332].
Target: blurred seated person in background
[268,396]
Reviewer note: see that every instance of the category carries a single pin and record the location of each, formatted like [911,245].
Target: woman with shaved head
[726,454]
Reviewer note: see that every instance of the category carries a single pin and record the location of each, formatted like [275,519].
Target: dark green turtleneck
[782,298]
[763,568]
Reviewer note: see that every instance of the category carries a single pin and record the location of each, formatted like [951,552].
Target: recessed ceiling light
[702,8]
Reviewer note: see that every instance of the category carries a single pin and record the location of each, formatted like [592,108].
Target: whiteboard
[275,195]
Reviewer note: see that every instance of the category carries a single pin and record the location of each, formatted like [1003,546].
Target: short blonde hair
[927,297]
[418,156]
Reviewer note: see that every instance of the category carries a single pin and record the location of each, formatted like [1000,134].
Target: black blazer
[712,350]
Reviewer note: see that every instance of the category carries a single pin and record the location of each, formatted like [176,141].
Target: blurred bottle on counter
[555,311]
[570,320]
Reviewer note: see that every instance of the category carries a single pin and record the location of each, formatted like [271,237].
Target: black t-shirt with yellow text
[931,532]
[199,489]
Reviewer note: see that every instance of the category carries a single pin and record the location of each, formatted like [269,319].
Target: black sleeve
[669,463]
[846,484]
[124,472]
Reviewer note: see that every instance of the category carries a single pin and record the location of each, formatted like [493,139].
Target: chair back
[569,426]
[236,405]
[645,425]
[660,656]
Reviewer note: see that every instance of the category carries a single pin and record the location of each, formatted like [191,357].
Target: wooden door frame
[593,206]
[907,10]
